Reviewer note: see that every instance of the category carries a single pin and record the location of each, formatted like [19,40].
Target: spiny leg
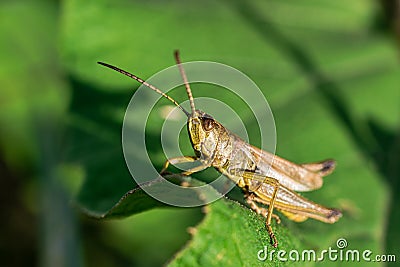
[301,208]
[184,159]
[176,160]
[249,177]
[195,169]
[251,200]
[269,217]
[291,215]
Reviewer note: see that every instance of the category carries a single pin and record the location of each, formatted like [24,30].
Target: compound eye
[208,124]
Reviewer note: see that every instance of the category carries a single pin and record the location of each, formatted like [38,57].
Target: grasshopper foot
[264,212]
[276,217]
[274,241]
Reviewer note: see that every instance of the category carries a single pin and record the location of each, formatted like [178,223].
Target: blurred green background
[329,69]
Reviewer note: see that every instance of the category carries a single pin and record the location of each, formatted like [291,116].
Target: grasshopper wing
[298,177]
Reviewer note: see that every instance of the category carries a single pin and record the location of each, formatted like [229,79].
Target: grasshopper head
[203,133]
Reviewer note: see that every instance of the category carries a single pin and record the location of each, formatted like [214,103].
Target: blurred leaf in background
[329,70]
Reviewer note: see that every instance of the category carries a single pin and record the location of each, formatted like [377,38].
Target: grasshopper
[264,177]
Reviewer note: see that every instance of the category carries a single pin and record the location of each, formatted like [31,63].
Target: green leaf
[328,69]
[138,199]
[94,143]
[232,235]
[330,77]
[134,201]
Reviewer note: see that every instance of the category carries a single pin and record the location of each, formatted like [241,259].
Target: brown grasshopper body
[264,177]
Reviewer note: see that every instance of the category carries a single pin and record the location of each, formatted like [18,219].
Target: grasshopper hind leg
[267,213]
[251,201]
[249,178]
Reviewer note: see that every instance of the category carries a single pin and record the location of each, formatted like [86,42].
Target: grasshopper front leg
[185,159]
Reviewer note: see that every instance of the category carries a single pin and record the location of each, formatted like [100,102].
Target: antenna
[148,85]
[185,80]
